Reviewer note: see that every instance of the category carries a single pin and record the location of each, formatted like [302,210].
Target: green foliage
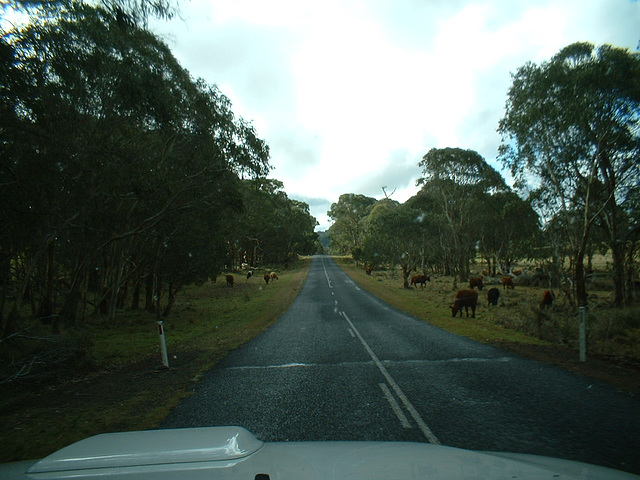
[571,129]
[348,214]
[120,172]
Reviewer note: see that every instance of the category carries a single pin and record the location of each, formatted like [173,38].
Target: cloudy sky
[350,95]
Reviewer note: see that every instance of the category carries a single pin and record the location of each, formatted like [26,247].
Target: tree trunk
[172,300]
[69,311]
[45,312]
[135,297]
[148,303]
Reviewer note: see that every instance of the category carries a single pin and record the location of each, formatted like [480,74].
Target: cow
[507,282]
[547,299]
[420,279]
[274,276]
[267,277]
[230,281]
[368,270]
[475,282]
[466,299]
[249,273]
[492,296]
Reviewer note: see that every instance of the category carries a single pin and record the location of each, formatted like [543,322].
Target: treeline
[122,178]
[571,139]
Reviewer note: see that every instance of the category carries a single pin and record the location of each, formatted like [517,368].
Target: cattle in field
[420,279]
[547,299]
[274,276]
[368,270]
[475,282]
[249,274]
[267,277]
[230,281]
[492,296]
[465,299]
[507,282]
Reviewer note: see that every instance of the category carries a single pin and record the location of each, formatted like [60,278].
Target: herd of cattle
[468,298]
[267,278]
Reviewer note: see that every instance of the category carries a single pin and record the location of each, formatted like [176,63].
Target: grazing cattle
[492,296]
[466,299]
[547,299]
[368,270]
[420,279]
[476,282]
[230,281]
[274,276]
[507,282]
[267,277]
[249,273]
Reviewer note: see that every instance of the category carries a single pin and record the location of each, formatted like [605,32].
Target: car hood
[233,452]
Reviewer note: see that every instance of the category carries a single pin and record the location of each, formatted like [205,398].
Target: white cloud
[349,93]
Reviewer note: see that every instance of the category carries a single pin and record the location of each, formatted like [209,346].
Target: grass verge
[519,326]
[127,389]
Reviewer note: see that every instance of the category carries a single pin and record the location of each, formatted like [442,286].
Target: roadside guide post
[163,344]
[583,333]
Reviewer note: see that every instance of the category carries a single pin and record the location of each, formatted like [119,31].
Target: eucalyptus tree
[109,153]
[395,236]
[348,213]
[509,228]
[460,181]
[572,126]
[272,227]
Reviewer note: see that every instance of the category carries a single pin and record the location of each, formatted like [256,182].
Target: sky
[349,95]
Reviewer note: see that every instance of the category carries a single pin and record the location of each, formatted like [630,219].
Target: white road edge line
[352,334]
[394,405]
[429,435]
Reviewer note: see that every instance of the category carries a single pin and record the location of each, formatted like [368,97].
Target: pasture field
[519,325]
[119,383]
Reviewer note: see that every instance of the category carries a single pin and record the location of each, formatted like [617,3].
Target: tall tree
[461,180]
[110,153]
[572,125]
[348,213]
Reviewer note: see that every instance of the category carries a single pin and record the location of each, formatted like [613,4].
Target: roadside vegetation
[119,382]
[517,322]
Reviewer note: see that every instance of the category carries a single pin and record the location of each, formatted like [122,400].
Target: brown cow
[267,277]
[547,299]
[420,279]
[507,282]
[368,270]
[466,299]
[476,282]
[274,276]
[230,281]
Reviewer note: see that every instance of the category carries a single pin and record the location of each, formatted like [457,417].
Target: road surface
[342,365]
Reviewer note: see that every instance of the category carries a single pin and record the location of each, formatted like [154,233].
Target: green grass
[125,389]
[517,319]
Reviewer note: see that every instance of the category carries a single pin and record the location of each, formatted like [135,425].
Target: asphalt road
[342,365]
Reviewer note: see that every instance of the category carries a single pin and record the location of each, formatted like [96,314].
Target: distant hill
[323,238]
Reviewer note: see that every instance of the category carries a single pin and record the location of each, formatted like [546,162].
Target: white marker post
[163,344]
[583,333]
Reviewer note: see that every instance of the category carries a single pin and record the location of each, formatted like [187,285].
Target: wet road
[342,365]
